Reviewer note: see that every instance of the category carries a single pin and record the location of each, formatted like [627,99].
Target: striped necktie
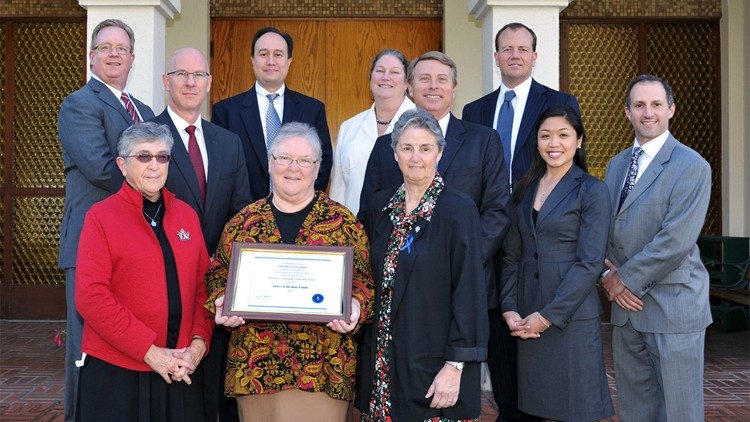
[130,108]
[273,123]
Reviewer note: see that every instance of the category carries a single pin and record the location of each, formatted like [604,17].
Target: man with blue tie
[513,110]
[90,122]
[256,115]
[660,190]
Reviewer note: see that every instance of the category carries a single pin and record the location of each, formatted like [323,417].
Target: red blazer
[121,288]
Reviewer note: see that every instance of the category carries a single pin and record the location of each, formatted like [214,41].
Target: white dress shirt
[263,103]
[117,93]
[181,125]
[519,105]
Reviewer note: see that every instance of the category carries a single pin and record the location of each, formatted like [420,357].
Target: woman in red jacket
[140,290]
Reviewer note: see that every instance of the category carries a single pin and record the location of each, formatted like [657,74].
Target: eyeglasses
[184,75]
[286,160]
[145,158]
[109,48]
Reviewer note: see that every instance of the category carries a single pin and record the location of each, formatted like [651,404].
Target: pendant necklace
[381,122]
[153,219]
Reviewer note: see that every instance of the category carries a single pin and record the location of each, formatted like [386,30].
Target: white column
[542,16]
[148,19]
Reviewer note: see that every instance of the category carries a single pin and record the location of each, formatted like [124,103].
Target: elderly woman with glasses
[282,371]
[140,291]
[419,359]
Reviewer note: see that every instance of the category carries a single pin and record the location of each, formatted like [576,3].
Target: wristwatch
[458,365]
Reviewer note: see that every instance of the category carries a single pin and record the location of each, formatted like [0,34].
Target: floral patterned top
[380,403]
[267,357]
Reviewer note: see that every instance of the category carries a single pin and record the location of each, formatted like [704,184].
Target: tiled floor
[31,374]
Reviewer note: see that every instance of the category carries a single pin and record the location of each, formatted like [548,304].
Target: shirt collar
[522,90]
[444,123]
[652,147]
[114,90]
[264,92]
[181,124]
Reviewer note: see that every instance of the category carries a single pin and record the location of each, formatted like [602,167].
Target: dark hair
[515,26]
[263,31]
[389,52]
[538,166]
[439,57]
[116,23]
[649,78]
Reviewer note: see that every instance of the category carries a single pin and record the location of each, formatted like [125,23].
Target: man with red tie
[208,172]
[90,122]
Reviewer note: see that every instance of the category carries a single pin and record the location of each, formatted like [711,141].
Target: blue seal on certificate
[318,298]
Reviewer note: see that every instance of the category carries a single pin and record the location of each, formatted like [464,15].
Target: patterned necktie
[505,127]
[273,123]
[130,108]
[632,173]
[194,151]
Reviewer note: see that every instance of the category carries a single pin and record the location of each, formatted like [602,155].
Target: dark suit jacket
[438,310]
[553,266]
[472,164]
[227,189]
[89,125]
[240,114]
[482,111]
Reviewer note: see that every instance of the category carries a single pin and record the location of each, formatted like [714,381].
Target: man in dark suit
[256,115]
[515,54]
[660,191]
[89,124]
[208,172]
[472,161]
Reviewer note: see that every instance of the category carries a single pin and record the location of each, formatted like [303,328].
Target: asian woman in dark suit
[554,255]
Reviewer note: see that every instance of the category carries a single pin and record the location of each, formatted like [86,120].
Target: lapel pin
[417,229]
[183,235]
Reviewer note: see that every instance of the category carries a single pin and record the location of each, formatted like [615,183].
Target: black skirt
[108,392]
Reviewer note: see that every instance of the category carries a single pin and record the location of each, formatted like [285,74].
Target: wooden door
[331,58]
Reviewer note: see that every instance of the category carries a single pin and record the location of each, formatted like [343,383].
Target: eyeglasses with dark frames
[146,158]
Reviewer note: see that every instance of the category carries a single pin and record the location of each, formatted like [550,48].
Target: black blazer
[227,190]
[240,114]
[472,164]
[438,310]
[482,111]
[553,266]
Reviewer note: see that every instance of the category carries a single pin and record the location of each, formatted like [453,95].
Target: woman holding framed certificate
[291,370]
[420,358]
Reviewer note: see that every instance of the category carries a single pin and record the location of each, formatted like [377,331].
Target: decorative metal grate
[36,228]
[603,58]
[42,81]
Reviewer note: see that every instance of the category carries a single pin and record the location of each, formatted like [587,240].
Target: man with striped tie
[89,124]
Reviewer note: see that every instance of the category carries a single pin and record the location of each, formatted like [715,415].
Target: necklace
[153,219]
[381,122]
[545,192]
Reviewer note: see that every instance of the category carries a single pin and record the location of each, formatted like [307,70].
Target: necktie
[130,108]
[194,151]
[273,123]
[632,173]
[505,127]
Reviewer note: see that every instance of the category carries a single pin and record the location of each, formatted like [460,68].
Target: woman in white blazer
[357,135]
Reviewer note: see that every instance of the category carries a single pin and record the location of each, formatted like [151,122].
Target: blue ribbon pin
[407,243]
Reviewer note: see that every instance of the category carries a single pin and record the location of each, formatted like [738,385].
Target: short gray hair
[439,57]
[140,133]
[417,118]
[116,23]
[296,130]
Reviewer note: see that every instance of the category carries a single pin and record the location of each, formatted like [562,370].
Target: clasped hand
[530,327]
[617,291]
[175,364]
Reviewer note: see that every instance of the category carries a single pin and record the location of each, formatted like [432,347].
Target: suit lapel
[253,126]
[619,165]
[569,181]
[488,109]
[109,98]
[454,137]
[214,165]
[527,206]
[181,160]
[531,113]
[651,173]
[291,107]
[406,261]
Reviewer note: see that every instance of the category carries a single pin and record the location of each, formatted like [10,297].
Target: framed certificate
[297,283]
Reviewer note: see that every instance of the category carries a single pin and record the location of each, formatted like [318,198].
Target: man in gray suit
[660,191]
[89,124]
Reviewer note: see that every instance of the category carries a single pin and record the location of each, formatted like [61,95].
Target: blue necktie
[273,123]
[632,173]
[505,127]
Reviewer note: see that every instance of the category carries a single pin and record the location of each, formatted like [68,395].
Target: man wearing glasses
[208,172]
[89,124]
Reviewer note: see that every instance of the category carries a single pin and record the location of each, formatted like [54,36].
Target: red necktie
[194,151]
[130,108]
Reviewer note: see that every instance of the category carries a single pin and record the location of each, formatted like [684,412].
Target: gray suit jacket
[653,239]
[89,124]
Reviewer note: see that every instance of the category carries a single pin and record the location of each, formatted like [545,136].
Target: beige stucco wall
[462,41]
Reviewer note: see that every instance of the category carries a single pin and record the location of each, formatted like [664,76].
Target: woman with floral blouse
[283,371]
[419,358]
